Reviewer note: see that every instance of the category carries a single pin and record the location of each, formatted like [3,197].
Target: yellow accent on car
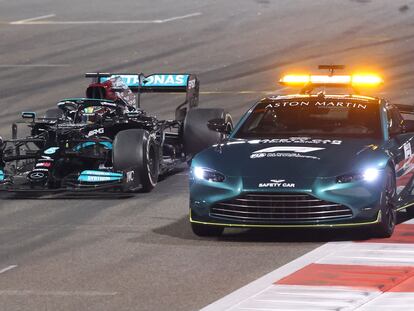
[405,206]
[290,226]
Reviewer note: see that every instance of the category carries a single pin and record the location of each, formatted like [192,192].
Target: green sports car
[307,160]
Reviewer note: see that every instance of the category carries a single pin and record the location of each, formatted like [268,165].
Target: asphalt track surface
[138,253]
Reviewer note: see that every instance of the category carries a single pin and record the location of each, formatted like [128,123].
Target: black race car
[105,140]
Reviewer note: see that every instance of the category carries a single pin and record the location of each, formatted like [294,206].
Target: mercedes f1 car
[308,160]
[105,140]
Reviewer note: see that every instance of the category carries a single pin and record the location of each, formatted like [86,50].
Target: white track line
[8,268]
[390,302]
[54,293]
[38,21]
[264,294]
[28,20]
[33,65]
[309,298]
[171,19]
[372,254]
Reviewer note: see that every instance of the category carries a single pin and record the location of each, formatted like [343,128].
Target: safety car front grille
[279,207]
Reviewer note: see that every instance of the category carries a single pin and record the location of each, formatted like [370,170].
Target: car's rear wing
[158,83]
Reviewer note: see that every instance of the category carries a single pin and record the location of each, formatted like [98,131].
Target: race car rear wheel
[136,152]
[206,230]
[385,228]
[196,135]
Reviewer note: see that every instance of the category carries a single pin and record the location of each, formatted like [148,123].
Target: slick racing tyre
[197,136]
[206,230]
[385,228]
[54,113]
[136,153]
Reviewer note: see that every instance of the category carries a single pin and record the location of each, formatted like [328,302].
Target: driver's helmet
[92,114]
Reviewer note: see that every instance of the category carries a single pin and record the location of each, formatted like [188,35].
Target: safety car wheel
[385,228]
[196,135]
[136,153]
[410,211]
[206,230]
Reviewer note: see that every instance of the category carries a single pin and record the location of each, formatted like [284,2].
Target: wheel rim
[389,213]
[151,165]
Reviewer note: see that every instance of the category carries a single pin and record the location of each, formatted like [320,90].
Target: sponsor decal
[51,150]
[101,173]
[153,80]
[96,132]
[285,152]
[291,148]
[326,104]
[296,140]
[321,104]
[130,176]
[129,80]
[407,150]
[165,80]
[277,183]
[37,175]
[99,176]
[96,178]
[191,84]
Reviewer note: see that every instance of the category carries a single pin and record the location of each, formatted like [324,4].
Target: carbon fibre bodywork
[73,147]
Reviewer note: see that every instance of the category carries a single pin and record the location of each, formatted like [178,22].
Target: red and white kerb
[373,275]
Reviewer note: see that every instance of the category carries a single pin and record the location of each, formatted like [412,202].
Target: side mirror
[29,115]
[219,125]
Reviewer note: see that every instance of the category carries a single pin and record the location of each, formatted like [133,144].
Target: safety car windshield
[313,117]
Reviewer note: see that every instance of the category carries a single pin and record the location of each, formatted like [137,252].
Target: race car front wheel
[385,228]
[206,230]
[136,153]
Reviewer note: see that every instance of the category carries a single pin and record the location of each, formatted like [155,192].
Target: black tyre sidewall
[149,169]
[131,149]
[388,213]
[206,230]
[410,212]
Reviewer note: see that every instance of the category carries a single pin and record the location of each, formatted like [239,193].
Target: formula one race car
[106,141]
[308,160]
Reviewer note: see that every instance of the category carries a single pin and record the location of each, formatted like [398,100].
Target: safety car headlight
[369,175]
[202,173]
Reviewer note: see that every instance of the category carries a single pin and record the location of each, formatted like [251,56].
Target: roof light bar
[295,79]
[366,80]
[333,80]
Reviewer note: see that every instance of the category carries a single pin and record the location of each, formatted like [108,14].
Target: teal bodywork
[96,176]
[314,167]
[105,144]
